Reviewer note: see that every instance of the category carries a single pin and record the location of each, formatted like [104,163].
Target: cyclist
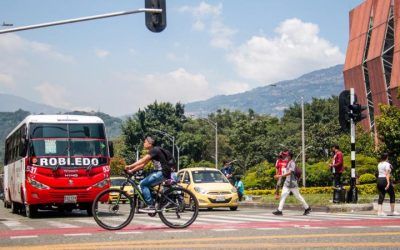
[160,173]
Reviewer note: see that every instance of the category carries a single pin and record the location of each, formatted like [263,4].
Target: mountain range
[274,98]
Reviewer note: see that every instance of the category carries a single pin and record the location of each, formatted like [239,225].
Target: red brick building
[372,65]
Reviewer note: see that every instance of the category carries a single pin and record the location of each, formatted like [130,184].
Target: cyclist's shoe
[148,209]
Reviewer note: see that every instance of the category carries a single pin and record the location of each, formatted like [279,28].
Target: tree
[388,128]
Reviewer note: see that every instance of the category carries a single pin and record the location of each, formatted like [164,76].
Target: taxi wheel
[209,208]
[233,208]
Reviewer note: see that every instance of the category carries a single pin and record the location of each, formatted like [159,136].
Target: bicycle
[114,208]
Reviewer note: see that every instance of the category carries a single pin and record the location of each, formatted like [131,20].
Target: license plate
[220,198]
[70,198]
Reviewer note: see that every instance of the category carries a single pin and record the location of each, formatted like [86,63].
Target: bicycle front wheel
[113,209]
[178,207]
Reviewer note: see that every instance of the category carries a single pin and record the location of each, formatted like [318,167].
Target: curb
[334,208]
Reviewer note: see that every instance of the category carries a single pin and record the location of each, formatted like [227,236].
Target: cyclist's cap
[150,140]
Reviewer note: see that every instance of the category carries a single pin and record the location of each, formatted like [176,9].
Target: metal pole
[137,153]
[178,149]
[173,146]
[303,161]
[81,19]
[216,145]
[353,194]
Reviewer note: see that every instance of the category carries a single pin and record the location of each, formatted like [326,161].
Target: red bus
[56,162]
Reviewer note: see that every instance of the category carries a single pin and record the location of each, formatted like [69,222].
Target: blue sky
[209,48]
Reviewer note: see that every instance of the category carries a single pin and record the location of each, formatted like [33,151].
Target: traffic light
[344,111]
[345,108]
[156,22]
[357,114]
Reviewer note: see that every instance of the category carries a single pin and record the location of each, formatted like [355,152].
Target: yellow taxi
[116,182]
[211,188]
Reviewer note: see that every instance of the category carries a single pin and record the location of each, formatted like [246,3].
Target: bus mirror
[23,145]
[111,148]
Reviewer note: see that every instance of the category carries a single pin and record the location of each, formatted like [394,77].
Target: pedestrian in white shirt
[385,185]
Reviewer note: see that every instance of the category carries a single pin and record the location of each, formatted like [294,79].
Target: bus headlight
[102,183]
[37,184]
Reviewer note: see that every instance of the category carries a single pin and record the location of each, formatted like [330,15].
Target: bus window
[87,131]
[48,131]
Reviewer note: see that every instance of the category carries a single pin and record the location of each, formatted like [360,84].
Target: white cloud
[7,81]
[296,49]
[178,85]
[101,53]
[54,95]
[232,87]
[207,17]
[221,35]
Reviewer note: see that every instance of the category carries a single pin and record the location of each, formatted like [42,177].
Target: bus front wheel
[30,211]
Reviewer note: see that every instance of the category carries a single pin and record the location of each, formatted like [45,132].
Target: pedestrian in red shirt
[280,164]
[337,166]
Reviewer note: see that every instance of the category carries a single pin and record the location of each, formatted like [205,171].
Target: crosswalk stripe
[23,237]
[16,225]
[281,218]
[268,228]
[129,232]
[224,229]
[201,219]
[353,227]
[59,224]
[79,234]
[240,218]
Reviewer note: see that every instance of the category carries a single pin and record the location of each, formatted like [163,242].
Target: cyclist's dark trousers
[153,179]
[382,182]
[338,179]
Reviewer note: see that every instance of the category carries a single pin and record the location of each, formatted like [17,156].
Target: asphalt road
[219,229]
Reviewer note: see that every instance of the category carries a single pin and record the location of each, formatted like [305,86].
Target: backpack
[168,164]
[297,172]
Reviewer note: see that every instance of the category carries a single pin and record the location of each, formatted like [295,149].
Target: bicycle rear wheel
[113,209]
[178,207]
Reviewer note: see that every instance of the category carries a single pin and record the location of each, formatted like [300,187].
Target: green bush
[261,176]
[201,164]
[367,179]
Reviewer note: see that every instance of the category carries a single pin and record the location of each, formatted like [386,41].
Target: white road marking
[16,225]
[129,232]
[391,226]
[80,234]
[225,229]
[353,227]
[178,231]
[268,228]
[23,237]
[59,224]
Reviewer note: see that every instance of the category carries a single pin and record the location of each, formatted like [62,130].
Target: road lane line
[391,226]
[281,218]
[224,229]
[178,231]
[268,228]
[78,234]
[231,218]
[353,227]
[59,224]
[23,237]
[16,225]
[130,232]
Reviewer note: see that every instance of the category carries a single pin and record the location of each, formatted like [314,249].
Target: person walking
[227,170]
[239,187]
[385,186]
[290,185]
[337,166]
[280,164]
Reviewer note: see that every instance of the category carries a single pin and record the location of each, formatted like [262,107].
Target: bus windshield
[68,144]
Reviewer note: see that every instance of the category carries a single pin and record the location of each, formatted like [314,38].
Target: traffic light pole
[81,19]
[352,194]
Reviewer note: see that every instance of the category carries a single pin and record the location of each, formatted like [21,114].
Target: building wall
[362,56]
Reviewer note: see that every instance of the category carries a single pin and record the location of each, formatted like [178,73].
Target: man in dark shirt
[337,165]
[160,172]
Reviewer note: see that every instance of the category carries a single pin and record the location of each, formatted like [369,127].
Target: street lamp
[303,158]
[178,149]
[215,124]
